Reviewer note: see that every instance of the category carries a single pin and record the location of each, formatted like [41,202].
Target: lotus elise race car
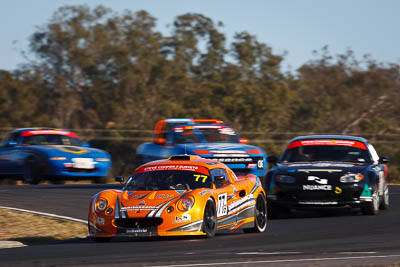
[328,171]
[183,195]
[207,138]
[35,154]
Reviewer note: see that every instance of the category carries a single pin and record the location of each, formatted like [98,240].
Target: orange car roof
[213,121]
[187,160]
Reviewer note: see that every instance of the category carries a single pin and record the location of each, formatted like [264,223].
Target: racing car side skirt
[190,227]
[246,213]
[245,223]
[232,221]
[227,220]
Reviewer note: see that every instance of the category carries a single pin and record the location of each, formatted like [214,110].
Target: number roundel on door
[222,209]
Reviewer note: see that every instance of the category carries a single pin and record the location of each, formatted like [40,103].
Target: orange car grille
[138,222]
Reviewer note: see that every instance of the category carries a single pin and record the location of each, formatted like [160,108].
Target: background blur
[111,74]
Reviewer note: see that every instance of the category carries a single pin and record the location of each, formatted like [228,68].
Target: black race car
[328,171]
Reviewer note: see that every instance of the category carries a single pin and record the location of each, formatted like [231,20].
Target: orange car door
[225,195]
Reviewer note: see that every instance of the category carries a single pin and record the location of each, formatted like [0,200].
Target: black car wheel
[210,219]
[260,216]
[371,207]
[31,171]
[385,201]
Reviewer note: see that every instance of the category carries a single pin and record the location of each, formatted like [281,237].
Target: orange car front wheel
[210,219]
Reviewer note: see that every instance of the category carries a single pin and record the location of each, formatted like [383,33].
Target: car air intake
[180,157]
[137,222]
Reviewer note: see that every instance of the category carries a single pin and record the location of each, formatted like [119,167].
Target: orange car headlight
[101,205]
[185,204]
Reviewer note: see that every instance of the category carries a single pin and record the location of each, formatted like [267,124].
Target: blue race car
[35,154]
[208,139]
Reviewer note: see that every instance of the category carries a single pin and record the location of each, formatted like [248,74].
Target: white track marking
[266,253]
[278,261]
[11,244]
[357,252]
[47,214]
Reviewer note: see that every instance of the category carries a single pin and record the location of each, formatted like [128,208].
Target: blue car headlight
[351,178]
[281,178]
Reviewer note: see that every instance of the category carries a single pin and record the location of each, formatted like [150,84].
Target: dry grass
[34,229]
[6,181]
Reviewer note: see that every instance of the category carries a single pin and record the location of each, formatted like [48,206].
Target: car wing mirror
[243,140]
[160,141]
[11,143]
[119,179]
[384,159]
[272,159]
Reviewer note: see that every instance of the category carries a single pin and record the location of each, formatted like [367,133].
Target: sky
[295,27]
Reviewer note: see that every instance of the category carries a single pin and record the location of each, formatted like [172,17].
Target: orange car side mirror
[160,141]
[243,140]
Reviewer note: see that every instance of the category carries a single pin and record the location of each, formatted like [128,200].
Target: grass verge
[35,229]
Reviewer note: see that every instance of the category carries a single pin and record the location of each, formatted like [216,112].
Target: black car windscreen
[168,180]
[51,139]
[326,153]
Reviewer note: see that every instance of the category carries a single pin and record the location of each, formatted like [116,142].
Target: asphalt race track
[303,239]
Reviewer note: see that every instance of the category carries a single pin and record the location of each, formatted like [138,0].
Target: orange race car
[183,195]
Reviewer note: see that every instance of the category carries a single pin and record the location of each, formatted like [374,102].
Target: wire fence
[256,137]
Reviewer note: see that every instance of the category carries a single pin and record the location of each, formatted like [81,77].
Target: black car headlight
[351,178]
[286,179]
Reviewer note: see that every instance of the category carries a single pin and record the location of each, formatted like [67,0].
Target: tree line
[94,68]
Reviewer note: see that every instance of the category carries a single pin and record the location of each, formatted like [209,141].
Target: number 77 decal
[198,176]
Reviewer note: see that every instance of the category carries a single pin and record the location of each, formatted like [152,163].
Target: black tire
[32,173]
[101,239]
[385,199]
[371,207]
[260,216]
[210,219]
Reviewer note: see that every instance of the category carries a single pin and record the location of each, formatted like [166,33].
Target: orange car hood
[145,203]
